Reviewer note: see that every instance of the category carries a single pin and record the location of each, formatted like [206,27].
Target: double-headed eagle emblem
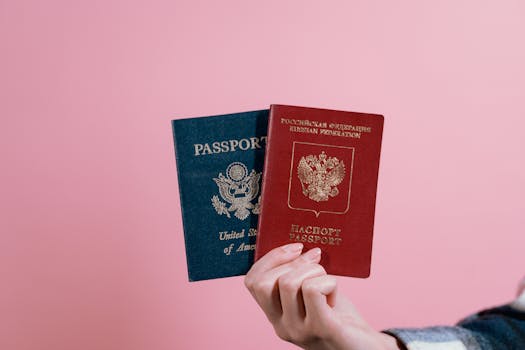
[320,176]
[238,188]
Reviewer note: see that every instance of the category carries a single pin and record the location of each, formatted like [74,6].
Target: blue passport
[219,165]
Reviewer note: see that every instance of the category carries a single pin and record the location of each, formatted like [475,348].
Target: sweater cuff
[435,338]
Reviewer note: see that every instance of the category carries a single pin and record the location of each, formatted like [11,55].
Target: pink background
[91,248]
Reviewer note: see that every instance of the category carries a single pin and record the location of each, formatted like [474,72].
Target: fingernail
[312,254]
[293,247]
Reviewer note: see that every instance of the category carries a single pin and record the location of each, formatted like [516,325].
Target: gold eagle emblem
[320,176]
[239,189]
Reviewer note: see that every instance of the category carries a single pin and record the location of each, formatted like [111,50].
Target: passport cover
[320,185]
[219,165]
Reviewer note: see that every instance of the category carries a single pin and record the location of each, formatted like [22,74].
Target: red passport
[319,185]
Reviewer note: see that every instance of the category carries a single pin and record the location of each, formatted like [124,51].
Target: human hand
[302,303]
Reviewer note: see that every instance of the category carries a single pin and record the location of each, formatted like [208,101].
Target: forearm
[492,329]
[500,328]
